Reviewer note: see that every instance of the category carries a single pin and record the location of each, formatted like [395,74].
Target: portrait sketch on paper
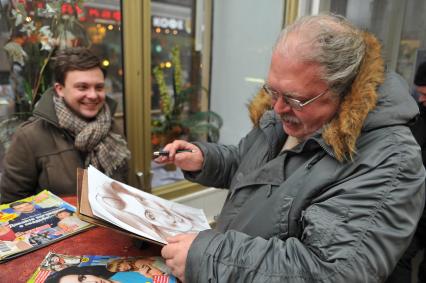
[139,212]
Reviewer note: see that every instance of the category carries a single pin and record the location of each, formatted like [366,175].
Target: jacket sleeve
[220,164]
[354,231]
[19,178]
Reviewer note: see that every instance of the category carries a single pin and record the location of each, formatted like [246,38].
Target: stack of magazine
[95,268]
[34,222]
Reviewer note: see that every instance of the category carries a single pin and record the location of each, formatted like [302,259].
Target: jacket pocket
[322,226]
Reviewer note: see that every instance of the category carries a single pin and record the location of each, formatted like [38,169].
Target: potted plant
[177,119]
[33,40]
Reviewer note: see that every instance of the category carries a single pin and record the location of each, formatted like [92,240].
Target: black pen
[166,153]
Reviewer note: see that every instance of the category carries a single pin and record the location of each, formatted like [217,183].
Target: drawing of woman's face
[162,218]
[117,196]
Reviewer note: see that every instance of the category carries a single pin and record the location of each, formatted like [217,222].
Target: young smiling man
[71,126]
[328,186]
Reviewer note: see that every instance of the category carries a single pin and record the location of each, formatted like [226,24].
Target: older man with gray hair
[328,186]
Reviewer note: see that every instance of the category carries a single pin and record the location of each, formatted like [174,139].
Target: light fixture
[105,63]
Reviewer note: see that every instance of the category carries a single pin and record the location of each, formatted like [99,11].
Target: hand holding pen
[166,153]
[183,154]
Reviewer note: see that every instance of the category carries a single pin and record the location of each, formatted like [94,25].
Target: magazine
[35,222]
[97,268]
[135,212]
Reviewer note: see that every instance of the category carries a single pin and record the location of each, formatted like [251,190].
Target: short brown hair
[76,58]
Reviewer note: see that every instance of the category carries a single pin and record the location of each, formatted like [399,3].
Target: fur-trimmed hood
[372,102]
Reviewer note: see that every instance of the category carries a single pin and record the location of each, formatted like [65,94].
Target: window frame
[137,89]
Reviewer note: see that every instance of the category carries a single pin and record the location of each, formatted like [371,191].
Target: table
[95,241]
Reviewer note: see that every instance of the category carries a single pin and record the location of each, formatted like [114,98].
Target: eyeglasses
[292,102]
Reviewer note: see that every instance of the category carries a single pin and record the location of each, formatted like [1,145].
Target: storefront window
[31,32]
[412,45]
[179,100]
[398,24]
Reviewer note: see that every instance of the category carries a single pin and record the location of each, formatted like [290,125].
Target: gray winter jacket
[302,215]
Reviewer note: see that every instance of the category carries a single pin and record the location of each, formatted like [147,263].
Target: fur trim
[258,105]
[342,132]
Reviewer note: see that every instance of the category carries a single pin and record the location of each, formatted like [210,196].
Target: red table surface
[95,241]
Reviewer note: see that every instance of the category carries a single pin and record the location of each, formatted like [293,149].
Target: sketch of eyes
[149,215]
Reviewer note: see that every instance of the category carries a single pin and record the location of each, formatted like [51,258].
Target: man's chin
[291,129]
[89,113]
[295,130]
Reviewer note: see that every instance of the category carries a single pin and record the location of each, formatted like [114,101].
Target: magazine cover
[35,222]
[95,268]
[139,212]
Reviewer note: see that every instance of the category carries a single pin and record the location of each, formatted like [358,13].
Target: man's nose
[281,106]
[92,93]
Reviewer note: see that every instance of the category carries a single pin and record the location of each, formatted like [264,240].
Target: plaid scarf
[105,150]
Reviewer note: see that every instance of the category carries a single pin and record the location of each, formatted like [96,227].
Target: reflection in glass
[402,35]
[179,108]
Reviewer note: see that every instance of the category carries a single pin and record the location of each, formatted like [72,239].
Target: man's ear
[59,89]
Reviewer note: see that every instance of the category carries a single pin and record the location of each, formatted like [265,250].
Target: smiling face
[83,92]
[124,266]
[302,81]
[63,214]
[25,207]
[146,267]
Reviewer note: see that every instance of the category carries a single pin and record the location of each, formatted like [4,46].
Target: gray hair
[332,42]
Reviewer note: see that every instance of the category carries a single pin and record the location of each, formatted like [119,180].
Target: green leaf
[28,91]
[21,8]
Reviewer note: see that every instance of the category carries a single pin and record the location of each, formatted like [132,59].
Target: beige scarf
[290,143]
[105,150]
